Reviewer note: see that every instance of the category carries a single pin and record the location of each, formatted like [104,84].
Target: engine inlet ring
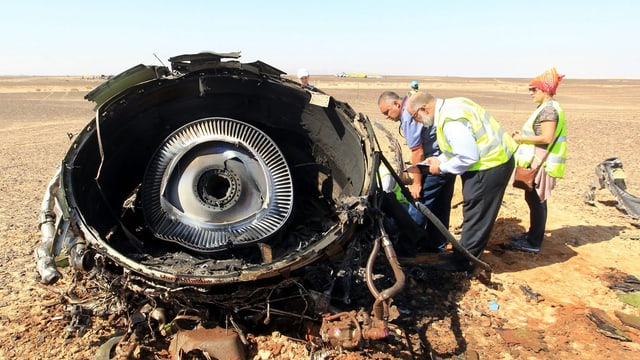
[217,183]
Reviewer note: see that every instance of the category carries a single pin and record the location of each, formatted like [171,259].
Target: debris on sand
[531,295]
[530,339]
[629,320]
[606,326]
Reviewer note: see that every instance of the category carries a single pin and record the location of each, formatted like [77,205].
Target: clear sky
[485,38]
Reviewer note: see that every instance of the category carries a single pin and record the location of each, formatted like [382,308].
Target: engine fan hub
[216,183]
[218,189]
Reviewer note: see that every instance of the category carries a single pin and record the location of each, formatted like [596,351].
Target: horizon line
[369,76]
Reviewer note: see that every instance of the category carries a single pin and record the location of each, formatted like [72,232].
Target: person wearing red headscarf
[543,132]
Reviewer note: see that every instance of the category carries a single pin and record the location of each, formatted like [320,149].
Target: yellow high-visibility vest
[495,146]
[397,190]
[556,161]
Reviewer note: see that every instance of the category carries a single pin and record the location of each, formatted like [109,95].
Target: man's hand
[434,165]
[417,155]
[416,189]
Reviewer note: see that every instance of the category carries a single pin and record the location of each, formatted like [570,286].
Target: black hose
[426,212]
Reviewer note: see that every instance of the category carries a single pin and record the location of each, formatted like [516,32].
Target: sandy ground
[586,249]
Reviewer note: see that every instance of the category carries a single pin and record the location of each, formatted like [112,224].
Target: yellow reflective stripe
[495,143]
[555,160]
[480,133]
[488,148]
[507,151]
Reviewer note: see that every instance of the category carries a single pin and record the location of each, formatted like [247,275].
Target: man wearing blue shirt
[435,192]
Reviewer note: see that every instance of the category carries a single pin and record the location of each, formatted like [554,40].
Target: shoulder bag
[524,178]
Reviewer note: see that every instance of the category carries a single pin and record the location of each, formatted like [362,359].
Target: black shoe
[521,237]
[525,245]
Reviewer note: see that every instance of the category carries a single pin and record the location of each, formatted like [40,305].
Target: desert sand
[587,248]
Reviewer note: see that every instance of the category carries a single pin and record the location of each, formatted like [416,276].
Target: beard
[427,121]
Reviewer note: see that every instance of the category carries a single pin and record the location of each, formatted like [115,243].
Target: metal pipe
[80,257]
[380,308]
[45,262]
[394,263]
[369,268]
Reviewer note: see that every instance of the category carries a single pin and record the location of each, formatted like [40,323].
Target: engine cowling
[215,172]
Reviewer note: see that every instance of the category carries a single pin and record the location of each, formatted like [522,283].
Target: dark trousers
[537,217]
[482,193]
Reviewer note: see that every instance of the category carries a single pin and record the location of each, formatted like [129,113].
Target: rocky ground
[537,306]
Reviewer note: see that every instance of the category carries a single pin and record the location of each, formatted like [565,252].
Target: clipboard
[419,166]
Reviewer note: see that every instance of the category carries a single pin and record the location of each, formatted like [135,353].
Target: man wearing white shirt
[477,148]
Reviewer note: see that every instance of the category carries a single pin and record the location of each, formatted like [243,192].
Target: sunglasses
[533,88]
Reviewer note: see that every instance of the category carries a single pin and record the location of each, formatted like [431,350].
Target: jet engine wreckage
[219,194]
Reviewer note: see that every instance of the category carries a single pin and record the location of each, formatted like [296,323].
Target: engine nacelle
[215,172]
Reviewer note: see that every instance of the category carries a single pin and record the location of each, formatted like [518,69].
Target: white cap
[302,73]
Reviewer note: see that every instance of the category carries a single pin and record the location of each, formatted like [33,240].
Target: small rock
[263,354]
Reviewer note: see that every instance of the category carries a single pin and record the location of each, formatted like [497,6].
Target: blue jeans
[437,192]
